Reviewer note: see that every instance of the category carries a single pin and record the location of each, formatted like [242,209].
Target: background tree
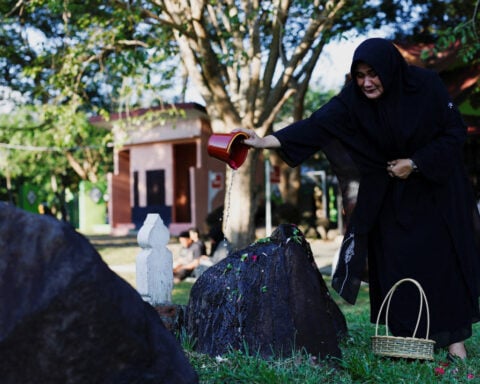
[69,61]
[48,148]
[466,34]
[246,58]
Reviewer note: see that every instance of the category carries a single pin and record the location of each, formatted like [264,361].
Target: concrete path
[323,251]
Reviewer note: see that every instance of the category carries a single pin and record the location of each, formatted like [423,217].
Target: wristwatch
[414,166]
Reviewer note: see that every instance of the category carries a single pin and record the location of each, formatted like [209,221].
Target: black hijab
[391,120]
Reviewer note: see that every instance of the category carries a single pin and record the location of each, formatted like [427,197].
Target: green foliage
[53,147]
[448,25]
[466,35]
[240,367]
[68,60]
[92,53]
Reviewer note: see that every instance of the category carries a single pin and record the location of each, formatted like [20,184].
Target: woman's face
[368,81]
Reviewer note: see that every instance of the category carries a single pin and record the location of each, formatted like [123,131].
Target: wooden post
[154,275]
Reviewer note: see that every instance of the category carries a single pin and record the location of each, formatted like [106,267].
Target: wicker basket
[406,347]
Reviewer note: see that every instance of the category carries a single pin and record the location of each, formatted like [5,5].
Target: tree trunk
[240,89]
[289,183]
[240,202]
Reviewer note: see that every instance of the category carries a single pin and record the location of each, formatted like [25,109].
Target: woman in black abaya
[394,131]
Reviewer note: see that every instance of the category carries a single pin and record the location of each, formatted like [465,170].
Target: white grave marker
[154,264]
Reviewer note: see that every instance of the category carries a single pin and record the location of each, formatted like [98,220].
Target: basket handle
[388,299]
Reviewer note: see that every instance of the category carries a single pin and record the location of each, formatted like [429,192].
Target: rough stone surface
[66,318]
[269,297]
[172,316]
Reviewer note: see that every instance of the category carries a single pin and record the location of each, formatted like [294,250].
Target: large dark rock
[66,318]
[270,298]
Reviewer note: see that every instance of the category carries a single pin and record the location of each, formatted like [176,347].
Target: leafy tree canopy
[246,58]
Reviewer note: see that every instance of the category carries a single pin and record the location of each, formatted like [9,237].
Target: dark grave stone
[270,298]
[172,316]
[67,318]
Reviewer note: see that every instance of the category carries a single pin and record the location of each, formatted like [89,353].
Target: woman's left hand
[401,168]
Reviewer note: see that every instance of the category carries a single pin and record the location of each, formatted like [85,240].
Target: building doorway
[184,156]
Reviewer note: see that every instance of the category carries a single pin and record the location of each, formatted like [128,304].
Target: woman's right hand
[253,140]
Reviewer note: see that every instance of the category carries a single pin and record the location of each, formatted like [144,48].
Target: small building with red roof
[161,166]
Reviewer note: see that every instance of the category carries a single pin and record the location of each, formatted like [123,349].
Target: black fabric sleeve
[302,139]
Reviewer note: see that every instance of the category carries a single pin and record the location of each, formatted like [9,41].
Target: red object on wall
[275,174]
[217,181]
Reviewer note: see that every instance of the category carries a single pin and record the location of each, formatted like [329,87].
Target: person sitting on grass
[188,259]
[195,236]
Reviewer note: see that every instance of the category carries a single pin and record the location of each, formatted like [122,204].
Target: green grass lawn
[358,363]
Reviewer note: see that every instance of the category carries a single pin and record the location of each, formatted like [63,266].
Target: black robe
[425,227]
